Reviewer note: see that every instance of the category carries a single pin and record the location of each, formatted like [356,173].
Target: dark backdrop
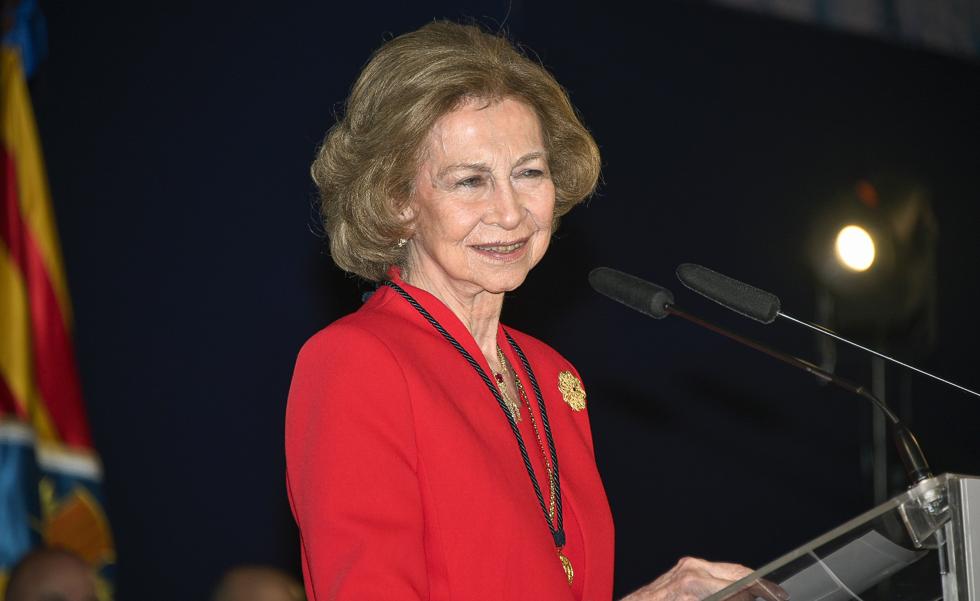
[178,137]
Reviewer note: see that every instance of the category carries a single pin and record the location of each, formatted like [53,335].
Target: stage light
[872,249]
[873,253]
[855,248]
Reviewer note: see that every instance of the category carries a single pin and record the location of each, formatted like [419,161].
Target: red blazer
[406,480]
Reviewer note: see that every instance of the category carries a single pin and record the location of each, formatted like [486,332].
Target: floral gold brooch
[571,390]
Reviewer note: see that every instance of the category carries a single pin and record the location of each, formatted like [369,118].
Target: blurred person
[47,574]
[258,583]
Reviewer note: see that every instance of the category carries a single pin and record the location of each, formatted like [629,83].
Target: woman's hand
[694,579]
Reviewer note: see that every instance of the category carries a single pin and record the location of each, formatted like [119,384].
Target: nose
[506,208]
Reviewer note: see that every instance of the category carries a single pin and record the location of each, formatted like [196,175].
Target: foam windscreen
[637,294]
[733,294]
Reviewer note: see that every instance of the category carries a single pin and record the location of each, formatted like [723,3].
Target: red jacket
[405,477]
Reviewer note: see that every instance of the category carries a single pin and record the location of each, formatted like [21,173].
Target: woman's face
[483,201]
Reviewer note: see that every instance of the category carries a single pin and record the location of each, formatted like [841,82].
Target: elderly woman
[432,452]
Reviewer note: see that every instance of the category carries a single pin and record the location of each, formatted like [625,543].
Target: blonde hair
[366,166]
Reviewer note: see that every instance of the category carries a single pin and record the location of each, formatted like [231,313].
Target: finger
[718,569]
[760,589]
[732,571]
[700,578]
[702,584]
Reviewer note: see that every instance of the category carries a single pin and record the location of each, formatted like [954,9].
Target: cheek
[545,211]
[453,224]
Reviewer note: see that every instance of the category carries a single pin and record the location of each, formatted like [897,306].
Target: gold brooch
[571,390]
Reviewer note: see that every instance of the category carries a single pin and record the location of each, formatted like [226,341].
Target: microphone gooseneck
[658,302]
[764,307]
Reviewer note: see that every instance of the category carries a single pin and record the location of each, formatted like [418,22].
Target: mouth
[501,250]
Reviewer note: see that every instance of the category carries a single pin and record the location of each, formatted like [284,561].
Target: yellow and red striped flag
[50,476]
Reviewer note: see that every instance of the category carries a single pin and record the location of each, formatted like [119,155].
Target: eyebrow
[527,158]
[484,168]
[481,167]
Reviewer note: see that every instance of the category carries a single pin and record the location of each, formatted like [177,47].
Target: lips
[501,248]
[505,251]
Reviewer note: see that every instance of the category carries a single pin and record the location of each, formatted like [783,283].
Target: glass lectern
[921,545]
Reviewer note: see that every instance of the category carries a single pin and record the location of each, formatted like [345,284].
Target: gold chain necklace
[513,405]
[552,484]
[537,435]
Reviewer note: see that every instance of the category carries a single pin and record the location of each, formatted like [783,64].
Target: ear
[407,214]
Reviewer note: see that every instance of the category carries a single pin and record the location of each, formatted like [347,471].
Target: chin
[504,284]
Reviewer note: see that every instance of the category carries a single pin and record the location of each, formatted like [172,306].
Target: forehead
[479,128]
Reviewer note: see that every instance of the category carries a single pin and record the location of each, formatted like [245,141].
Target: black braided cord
[557,530]
[545,423]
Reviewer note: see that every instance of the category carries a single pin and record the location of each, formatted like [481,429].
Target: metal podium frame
[921,545]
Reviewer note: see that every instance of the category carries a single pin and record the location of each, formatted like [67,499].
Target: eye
[470,182]
[531,173]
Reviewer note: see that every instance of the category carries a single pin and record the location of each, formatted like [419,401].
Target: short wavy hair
[366,167]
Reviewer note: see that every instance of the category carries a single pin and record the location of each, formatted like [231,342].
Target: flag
[50,475]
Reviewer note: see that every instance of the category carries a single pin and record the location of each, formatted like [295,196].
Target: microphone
[633,292]
[732,294]
[658,302]
[764,307]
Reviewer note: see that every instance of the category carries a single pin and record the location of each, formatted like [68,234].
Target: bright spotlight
[855,248]
[876,282]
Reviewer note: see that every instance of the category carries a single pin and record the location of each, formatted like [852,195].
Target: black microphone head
[637,294]
[733,294]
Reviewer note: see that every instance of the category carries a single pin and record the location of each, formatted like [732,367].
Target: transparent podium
[921,545]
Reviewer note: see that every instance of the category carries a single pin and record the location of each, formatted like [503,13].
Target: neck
[478,310]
